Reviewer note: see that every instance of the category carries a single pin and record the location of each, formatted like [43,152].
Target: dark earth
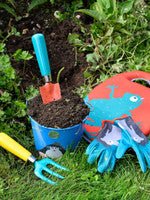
[70,109]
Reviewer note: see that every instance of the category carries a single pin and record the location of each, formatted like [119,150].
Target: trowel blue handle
[40,49]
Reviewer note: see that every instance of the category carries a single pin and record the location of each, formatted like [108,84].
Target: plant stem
[58,75]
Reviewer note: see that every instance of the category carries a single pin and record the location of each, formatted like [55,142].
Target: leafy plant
[12,102]
[10,7]
[31,92]
[117,40]
[102,10]
[22,55]
[12,31]
[35,3]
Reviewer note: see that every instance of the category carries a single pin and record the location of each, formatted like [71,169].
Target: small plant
[22,55]
[31,92]
[35,3]
[12,31]
[12,105]
[10,7]
[12,102]
[117,40]
[102,10]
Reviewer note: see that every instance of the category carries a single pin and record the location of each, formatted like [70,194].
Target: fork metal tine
[53,173]
[41,176]
[41,165]
[50,161]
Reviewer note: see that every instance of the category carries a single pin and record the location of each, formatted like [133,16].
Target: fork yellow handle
[14,147]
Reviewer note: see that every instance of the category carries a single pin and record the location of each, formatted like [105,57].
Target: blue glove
[103,148]
[132,137]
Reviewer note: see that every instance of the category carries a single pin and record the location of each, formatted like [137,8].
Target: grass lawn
[81,182]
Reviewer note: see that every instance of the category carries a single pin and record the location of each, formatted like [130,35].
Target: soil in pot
[66,112]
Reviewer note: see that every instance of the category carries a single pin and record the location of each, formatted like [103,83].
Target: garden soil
[70,109]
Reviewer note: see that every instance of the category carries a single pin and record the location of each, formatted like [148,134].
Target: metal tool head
[50,92]
[41,165]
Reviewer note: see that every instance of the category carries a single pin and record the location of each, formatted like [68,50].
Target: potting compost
[66,112]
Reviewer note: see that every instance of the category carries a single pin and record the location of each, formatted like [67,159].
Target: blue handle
[40,49]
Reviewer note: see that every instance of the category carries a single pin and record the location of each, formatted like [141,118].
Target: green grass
[82,182]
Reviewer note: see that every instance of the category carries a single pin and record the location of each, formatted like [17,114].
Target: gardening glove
[103,147]
[132,137]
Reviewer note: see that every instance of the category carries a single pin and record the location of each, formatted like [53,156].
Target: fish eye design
[110,142]
[136,139]
[133,99]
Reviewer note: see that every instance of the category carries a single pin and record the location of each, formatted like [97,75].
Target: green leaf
[93,13]
[104,3]
[20,108]
[126,6]
[118,67]
[5,97]
[74,39]
[86,74]
[101,10]
[2,47]
[2,115]
[12,2]
[36,3]
[4,62]
[31,92]
[8,9]
[14,31]
[92,57]
[22,55]
[109,32]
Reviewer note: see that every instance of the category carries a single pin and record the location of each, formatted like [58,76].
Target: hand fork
[39,165]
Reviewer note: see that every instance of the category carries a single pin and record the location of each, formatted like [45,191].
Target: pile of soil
[66,112]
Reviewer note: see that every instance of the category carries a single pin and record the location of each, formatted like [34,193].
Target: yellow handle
[14,147]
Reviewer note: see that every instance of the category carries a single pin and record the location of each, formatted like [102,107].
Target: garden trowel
[50,91]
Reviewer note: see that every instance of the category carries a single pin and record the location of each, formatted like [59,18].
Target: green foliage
[2,47]
[22,55]
[117,40]
[10,7]
[102,10]
[12,31]
[35,3]
[59,15]
[82,182]
[31,92]
[75,40]
[12,101]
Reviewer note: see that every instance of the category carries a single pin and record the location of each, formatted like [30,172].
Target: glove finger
[103,163]
[121,149]
[94,156]
[140,157]
[112,160]
[147,158]
[92,146]
[146,153]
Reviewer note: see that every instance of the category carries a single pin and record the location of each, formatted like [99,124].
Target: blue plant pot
[59,138]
